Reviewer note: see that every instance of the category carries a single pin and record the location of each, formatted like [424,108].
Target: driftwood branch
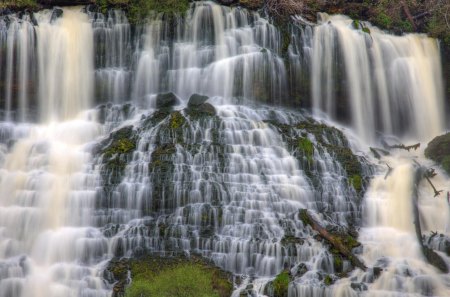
[378,153]
[389,171]
[337,241]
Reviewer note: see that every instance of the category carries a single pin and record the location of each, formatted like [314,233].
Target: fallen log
[340,243]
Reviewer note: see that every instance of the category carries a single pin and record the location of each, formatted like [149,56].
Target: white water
[235,188]
[393,83]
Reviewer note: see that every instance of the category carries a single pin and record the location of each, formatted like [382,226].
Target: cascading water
[393,84]
[139,175]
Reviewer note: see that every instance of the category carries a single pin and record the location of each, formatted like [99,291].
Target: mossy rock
[177,120]
[177,277]
[438,150]
[328,280]
[281,284]
[306,147]
[356,182]
[116,150]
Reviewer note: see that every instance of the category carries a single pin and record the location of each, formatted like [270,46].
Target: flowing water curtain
[391,84]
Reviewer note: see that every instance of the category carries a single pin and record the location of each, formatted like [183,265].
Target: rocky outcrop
[438,150]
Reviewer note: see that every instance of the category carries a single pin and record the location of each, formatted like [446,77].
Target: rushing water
[226,185]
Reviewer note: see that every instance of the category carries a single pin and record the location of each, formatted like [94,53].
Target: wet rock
[56,14]
[301,270]
[438,150]
[291,240]
[197,100]
[201,110]
[166,100]
[359,287]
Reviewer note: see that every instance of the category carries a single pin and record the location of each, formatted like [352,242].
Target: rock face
[439,150]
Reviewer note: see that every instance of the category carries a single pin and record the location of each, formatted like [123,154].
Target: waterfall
[104,153]
[393,84]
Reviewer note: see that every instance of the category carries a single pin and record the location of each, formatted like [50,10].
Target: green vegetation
[19,4]
[356,182]
[176,120]
[139,10]
[328,280]
[306,146]
[280,284]
[438,150]
[163,277]
[446,163]
[384,21]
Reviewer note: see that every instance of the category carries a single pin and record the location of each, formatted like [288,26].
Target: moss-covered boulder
[438,150]
[177,277]
[281,284]
[116,151]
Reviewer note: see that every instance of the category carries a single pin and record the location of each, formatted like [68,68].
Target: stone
[438,150]
[197,100]
[166,100]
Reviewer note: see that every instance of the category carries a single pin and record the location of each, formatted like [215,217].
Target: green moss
[306,146]
[384,20]
[304,217]
[338,263]
[139,10]
[328,280]
[356,182]
[446,164]
[177,278]
[19,4]
[120,146]
[281,284]
[176,120]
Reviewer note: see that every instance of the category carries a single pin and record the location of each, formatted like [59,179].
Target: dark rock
[56,14]
[197,100]
[207,108]
[359,287]
[166,100]
[227,2]
[301,270]
[438,150]
[434,259]
[204,109]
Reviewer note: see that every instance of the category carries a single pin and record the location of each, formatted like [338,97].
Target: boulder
[438,150]
[197,100]
[207,108]
[166,100]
